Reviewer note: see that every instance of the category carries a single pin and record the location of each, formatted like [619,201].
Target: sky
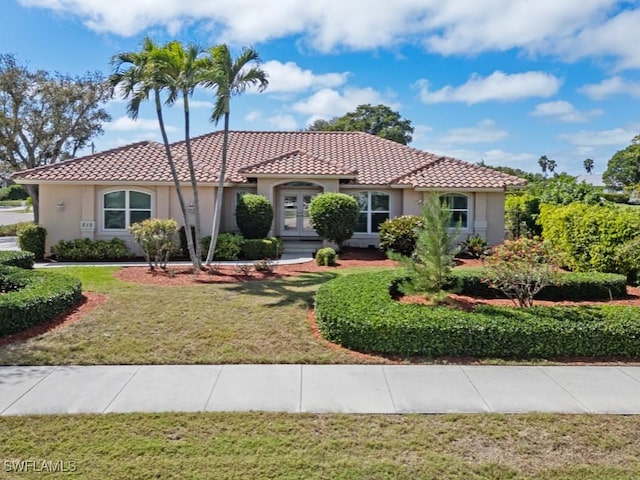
[499,81]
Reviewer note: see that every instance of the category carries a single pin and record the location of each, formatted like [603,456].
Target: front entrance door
[295,221]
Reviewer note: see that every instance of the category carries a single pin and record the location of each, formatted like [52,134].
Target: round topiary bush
[400,234]
[254,216]
[32,238]
[334,216]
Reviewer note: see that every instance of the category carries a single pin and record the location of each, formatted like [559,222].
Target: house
[98,196]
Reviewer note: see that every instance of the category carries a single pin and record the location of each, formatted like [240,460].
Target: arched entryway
[294,200]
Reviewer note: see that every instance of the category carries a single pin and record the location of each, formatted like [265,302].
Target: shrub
[400,234]
[13,192]
[157,239]
[254,216]
[475,247]
[326,257]
[357,312]
[627,259]
[258,249]
[228,246]
[427,268]
[17,259]
[182,237]
[571,286]
[587,236]
[334,216]
[520,269]
[32,238]
[31,297]
[11,230]
[265,265]
[87,250]
[521,212]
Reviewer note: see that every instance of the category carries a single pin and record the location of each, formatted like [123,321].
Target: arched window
[374,209]
[459,206]
[122,208]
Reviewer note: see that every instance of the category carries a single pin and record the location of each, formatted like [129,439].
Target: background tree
[588,165]
[623,170]
[551,165]
[47,117]
[377,120]
[229,76]
[543,161]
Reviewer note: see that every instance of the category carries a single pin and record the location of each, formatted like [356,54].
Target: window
[374,209]
[459,206]
[123,208]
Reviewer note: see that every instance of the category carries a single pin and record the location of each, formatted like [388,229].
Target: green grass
[253,322]
[304,446]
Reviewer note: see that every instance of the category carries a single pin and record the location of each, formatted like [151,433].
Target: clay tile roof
[371,160]
[300,163]
[449,173]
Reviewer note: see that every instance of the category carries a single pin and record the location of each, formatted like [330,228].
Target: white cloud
[201,104]
[497,86]
[563,111]
[283,122]
[570,29]
[328,103]
[594,138]
[253,116]
[611,86]
[289,77]
[483,132]
[126,124]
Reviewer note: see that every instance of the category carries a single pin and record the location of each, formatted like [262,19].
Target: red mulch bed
[90,300]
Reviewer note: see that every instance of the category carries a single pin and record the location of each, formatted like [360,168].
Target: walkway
[385,389]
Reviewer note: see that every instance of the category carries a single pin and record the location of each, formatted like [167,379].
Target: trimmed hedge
[31,297]
[258,249]
[17,259]
[573,286]
[87,250]
[357,312]
[32,238]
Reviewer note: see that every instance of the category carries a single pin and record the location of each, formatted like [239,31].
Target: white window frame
[369,212]
[467,210]
[127,208]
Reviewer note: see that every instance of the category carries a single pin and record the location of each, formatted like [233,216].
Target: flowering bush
[520,269]
[157,239]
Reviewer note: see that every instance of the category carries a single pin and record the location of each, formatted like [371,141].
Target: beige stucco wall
[83,204]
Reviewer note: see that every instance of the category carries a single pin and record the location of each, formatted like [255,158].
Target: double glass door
[295,213]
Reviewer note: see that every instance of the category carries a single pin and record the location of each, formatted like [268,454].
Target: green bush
[11,230]
[570,286]
[474,246]
[258,249]
[400,234]
[254,216]
[13,192]
[627,259]
[357,312]
[17,259]
[326,257]
[521,211]
[86,250]
[587,236]
[157,239]
[32,238]
[228,246]
[334,216]
[31,297]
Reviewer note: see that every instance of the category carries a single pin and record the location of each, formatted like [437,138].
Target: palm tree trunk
[195,260]
[217,212]
[194,182]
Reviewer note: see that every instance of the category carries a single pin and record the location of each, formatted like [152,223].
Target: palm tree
[588,165]
[179,70]
[137,82]
[543,161]
[229,77]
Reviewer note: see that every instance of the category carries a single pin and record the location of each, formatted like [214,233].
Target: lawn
[265,445]
[252,322]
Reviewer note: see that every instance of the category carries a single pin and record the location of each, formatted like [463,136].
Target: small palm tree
[588,165]
[137,76]
[229,76]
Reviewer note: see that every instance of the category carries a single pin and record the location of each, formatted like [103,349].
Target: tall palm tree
[229,76]
[588,165]
[179,70]
[136,76]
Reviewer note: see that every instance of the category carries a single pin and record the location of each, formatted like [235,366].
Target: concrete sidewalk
[385,389]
